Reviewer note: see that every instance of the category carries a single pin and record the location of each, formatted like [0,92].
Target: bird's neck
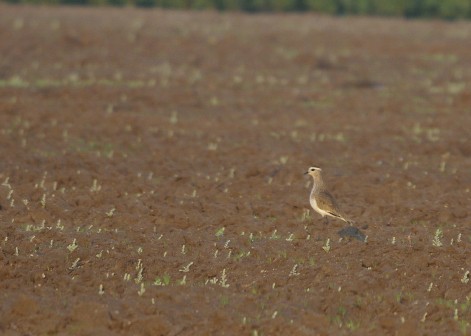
[318,184]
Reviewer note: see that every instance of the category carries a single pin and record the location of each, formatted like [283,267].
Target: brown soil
[170,146]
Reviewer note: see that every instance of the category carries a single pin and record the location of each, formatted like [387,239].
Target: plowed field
[152,168]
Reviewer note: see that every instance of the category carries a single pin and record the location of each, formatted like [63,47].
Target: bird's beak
[306,173]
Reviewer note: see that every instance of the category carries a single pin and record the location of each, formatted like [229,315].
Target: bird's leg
[326,220]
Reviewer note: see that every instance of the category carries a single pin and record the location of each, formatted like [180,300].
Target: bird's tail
[348,221]
[339,216]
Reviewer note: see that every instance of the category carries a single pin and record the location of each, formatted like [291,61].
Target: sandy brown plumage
[321,199]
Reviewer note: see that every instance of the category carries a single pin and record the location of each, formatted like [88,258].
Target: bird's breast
[313,202]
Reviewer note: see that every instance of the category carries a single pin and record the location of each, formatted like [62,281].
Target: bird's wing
[326,202]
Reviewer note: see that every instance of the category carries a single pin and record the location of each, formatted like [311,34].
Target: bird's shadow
[352,232]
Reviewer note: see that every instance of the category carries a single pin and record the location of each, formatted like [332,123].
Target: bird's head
[313,171]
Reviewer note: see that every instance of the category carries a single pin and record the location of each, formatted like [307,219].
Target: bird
[321,199]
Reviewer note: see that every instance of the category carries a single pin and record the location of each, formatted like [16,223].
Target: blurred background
[446,9]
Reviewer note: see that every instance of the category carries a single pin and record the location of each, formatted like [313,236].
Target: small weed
[352,325]
[294,271]
[164,281]
[72,247]
[326,246]
[224,300]
[463,326]
[220,232]
[437,238]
